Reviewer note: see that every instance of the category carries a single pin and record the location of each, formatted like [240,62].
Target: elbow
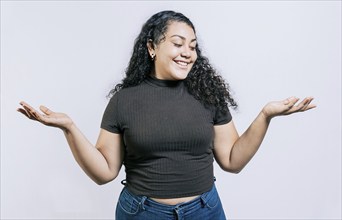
[104,180]
[101,182]
[233,169]
[236,171]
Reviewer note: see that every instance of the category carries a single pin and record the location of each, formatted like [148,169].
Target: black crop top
[168,137]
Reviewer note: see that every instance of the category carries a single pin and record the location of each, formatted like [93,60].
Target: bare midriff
[175,201]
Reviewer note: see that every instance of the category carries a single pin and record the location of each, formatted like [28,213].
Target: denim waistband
[199,201]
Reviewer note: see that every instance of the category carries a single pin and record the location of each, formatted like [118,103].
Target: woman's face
[176,54]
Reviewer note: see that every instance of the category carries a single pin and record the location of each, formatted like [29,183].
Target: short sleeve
[110,119]
[221,118]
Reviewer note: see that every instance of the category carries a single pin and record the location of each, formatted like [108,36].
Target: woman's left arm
[232,152]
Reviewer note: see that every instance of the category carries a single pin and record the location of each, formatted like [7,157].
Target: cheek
[169,56]
[194,57]
[174,53]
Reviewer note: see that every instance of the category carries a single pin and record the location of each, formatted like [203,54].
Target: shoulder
[221,116]
[128,91]
[134,89]
[130,95]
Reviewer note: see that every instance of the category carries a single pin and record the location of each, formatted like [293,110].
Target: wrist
[265,115]
[68,127]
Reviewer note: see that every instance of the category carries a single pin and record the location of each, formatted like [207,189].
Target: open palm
[48,117]
[287,107]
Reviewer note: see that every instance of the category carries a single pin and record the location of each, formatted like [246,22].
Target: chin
[180,76]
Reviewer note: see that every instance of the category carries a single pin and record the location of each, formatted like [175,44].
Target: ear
[150,47]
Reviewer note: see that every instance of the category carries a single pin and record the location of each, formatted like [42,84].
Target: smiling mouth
[181,63]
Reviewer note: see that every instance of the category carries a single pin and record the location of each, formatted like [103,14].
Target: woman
[166,122]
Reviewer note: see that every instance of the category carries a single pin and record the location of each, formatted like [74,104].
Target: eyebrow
[183,38]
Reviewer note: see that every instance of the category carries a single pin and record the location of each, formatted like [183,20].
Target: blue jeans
[205,207]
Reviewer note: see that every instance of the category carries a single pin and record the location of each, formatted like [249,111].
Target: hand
[287,107]
[49,118]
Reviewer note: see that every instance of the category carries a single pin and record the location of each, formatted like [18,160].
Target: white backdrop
[67,55]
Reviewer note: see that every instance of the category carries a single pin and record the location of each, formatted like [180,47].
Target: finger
[304,104]
[290,102]
[309,105]
[26,106]
[33,114]
[22,103]
[24,112]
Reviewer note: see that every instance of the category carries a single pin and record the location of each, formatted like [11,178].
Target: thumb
[45,110]
[290,101]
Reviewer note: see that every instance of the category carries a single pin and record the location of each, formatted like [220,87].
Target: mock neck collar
[163,83]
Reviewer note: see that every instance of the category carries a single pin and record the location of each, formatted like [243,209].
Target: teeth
[182,63]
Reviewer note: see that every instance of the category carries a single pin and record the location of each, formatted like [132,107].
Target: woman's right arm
[101,163]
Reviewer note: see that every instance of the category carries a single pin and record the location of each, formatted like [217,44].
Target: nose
[186,52]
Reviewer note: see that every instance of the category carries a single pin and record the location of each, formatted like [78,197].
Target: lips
[181,63]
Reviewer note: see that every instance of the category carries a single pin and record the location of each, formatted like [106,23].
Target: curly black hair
[203,81]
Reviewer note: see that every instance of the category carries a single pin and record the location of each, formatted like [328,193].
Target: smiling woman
[166,122]
[176,54]
[169,38]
